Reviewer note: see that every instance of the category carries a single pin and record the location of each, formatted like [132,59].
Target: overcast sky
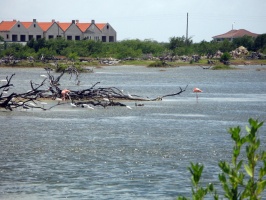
[147,19]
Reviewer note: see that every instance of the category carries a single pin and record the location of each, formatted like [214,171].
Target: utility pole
[233,26]
[187,31]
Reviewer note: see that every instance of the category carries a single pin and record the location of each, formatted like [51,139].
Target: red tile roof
[101,25]
[64,26]
[26,24]
[83,26]
[7,25]
[236,34]
[45,25]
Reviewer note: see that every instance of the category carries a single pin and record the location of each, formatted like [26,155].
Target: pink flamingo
[197,90]
[64,93]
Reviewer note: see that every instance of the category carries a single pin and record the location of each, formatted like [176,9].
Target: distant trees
[181,46]
[246,41]
[177,42]
[132,48]
[226,46]
[207,48]
[14,49]
[128,48]
[260,43]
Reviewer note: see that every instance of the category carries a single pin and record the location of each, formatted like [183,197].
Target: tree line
[127,48]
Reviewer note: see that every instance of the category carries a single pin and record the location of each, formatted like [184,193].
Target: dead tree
[93,96]
[110,96]
[25,100]
[99,96]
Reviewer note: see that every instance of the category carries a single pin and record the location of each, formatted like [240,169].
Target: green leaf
[210,187]
[261,186]
[239,165]
[222,178]
[248,170]
[247,129]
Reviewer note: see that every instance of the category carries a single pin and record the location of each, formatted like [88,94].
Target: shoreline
[141,63]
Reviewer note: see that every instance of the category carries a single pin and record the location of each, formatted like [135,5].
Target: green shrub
[222,67]
[225,57]
[241,179]
[159,64]
[61,67]
[73,56]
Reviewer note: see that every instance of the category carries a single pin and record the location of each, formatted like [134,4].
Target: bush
[241,179]
[64,67]
[222,67]
[225,57]
[159,64]
[73,56]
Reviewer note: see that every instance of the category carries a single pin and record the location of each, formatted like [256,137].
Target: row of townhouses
[16,31]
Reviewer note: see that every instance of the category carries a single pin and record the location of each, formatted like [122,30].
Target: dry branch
[93,96]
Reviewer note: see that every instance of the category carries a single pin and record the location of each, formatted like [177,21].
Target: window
[87,38]
[34,25]
[30,37]
[111,39]
[18,25]
[14,38]
[107,27]
[104,38]
[7,36]
[38,37]
[50,37]
[22,38]
[77,37]
[69,37]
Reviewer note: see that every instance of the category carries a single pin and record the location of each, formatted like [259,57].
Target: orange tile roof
[26,24]
[236,34]
[83,26]
[7,25]
[45,25]
[64,26]
[101,25]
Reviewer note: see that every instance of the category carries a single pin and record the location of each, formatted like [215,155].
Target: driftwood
[86,98]
[206,67]
[24,100]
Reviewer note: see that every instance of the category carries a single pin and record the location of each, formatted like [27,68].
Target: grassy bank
[146,63]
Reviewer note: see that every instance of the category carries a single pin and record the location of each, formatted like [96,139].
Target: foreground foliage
[242,178]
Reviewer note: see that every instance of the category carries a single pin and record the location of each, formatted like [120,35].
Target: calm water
[117,153]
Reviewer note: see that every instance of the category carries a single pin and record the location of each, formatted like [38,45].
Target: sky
[157,20]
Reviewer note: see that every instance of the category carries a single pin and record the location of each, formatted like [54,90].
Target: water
[117,153]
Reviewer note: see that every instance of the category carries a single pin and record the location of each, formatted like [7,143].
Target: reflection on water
[117,153]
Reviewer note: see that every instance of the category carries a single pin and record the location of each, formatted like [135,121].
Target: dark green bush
[225,57]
